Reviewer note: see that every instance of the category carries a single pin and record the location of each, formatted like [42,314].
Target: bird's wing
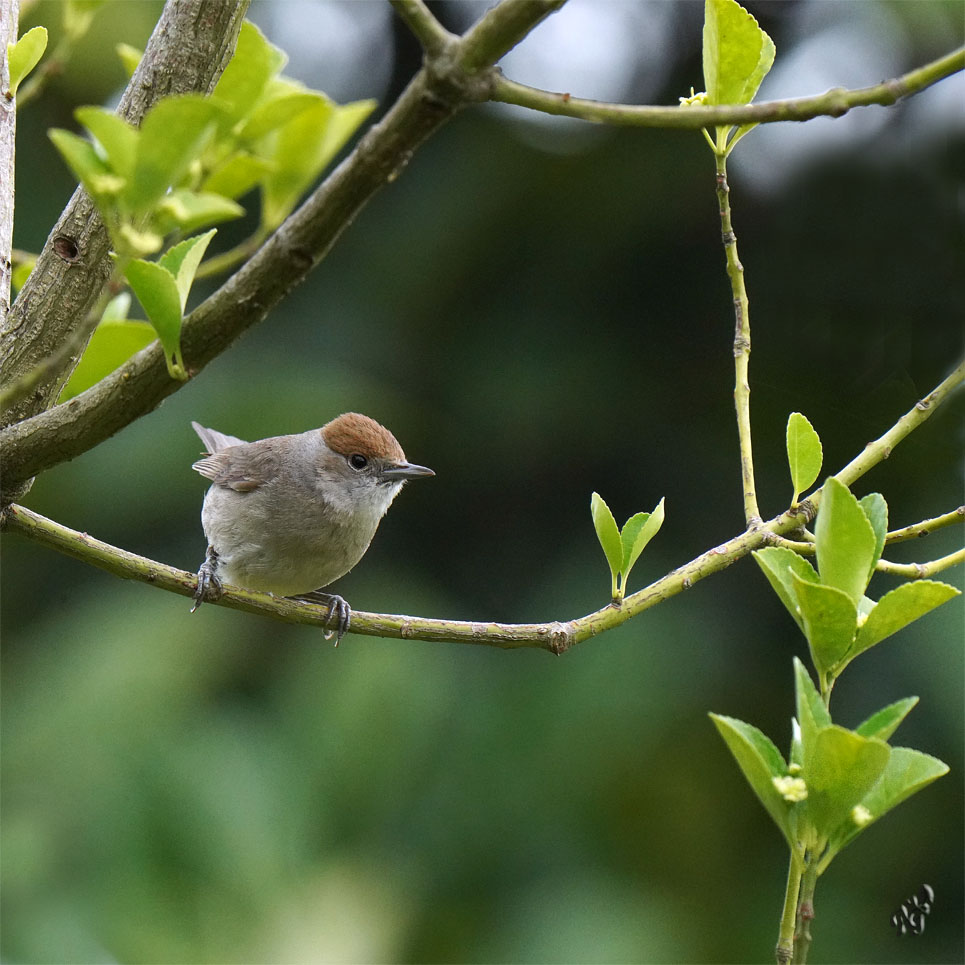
[215,441]
[242,467]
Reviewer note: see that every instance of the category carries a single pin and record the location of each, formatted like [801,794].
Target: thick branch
[432,97]
[190,46]
[832,103]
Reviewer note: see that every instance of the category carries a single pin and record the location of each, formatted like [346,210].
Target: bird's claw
[209,586]
[339,613]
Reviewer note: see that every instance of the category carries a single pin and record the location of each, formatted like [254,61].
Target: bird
[291,514]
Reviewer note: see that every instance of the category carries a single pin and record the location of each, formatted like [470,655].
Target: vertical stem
[785,938]
[742,344]
[9,15]
[805,912]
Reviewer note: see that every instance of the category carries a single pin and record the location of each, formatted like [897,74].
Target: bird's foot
[209,586]
[339,612]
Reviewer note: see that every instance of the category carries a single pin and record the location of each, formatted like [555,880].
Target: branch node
[807,509]
[558,637]
[838,98]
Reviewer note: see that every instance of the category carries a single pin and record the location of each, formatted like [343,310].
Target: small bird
[290,514]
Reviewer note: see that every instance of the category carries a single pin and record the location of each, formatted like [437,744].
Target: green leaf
[78,15]
[157,291]
[876,509]
[114,134]
[737,53]
[906,773]
[190,210]
[87,166]
[829,619]
[129,57]
[274,112]
[111,345]
[21,271]
[903,605]
[138,243]
[778,564]
[845,541]
[300,149]
[182,262]
[840,767]
[118,308]
[608,535]
[254,63]
[631,529]
[760,762]
[637,532]
[883,723]
[804,453]
[25,54]
[812,715]
[236,175]
[172,135]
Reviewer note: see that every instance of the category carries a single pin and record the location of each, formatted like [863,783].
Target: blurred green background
[537,310]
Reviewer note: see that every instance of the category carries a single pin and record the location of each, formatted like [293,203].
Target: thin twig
[742,343]
[504,26]
[926,526]
[419,19]
[881,448]
[832,103]
[921,571]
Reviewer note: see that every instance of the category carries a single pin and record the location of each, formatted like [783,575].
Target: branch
[436,92]
[913,571]
[556,637]
[926,526]
[833,103]
[881,448]
[17,519]
[921,571]
[500,30]
[8,131]
[190,46]
[742,342]
[428,31]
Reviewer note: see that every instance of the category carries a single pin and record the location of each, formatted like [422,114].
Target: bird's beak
[401,471]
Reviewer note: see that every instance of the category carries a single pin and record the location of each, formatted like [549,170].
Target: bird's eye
[357,461]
